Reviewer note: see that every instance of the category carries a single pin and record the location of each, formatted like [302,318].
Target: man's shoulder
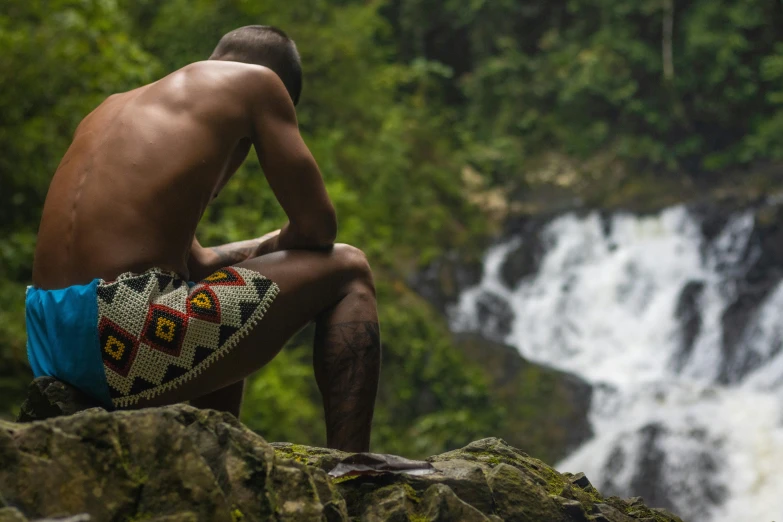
[222,73]
[258,88]
[233,82]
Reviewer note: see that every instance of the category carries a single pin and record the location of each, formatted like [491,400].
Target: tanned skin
[133,185]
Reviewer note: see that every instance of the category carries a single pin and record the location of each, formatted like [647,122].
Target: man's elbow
[318,232]
[327,233]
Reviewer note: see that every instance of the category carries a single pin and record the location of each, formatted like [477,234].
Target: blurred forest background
[432,121]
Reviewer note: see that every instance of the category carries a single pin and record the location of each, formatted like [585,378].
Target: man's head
[267,46]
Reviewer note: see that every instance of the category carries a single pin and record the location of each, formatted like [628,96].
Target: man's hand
[286,238]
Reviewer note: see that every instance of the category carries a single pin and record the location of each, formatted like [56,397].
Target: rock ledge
[178,464]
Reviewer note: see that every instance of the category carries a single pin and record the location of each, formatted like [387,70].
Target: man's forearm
[214,258]
[233,253]
[205,261]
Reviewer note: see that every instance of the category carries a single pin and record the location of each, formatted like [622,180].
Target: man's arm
[290,168]
[203,261]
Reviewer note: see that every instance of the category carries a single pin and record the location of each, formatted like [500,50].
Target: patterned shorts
[156,331]
[142,334]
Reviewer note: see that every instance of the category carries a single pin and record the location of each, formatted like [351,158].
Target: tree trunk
[666,44]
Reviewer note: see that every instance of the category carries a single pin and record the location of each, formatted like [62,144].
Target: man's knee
[354,264]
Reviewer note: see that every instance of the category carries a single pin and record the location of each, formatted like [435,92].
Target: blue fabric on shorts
[62,338]
[141,335]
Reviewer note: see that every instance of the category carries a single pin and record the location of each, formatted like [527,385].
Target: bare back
[140,172]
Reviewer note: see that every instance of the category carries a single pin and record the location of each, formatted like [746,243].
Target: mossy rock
[8,514]
[546,409]
[322,458]
[181,464]
[497,481]
[158,462]
[47,397]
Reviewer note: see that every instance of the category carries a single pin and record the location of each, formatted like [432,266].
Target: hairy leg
[331,288]
[347,363]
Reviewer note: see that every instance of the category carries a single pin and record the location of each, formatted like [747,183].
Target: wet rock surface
[444,279]
[546,409]
[525,258]
[178,464]
[47,397]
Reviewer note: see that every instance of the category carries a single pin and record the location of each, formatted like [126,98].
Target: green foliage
[49,87]
[14,374]
[582,76]
[281,400]
[399,97]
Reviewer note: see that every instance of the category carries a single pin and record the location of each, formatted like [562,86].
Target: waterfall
[687,371]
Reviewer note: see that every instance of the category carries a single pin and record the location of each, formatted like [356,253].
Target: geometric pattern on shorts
[224,276]
[164,329]
[157,332]
[117,346]
[204,304]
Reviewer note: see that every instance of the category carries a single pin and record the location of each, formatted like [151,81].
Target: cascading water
[685,413]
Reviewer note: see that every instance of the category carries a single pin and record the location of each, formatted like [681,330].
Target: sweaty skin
[143,166]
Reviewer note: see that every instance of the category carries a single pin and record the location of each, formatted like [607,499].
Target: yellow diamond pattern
[202,301]
[114,347]
[165,329]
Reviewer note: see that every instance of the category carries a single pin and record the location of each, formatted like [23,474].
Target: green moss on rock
[179,464]
[9,514]
[546,409]
[237,515]
[322,458]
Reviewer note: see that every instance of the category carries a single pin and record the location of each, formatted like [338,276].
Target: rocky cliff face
[179,464]
[545,409]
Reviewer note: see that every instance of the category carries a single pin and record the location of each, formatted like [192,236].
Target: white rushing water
[603,305]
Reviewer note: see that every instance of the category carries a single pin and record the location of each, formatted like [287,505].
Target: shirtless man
[113,309]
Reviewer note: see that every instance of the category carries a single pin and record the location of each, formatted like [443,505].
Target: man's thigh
[309,282]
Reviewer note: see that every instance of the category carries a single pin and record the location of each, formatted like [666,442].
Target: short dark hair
[264,45]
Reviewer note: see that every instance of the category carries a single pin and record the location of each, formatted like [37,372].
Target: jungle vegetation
[426,117]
